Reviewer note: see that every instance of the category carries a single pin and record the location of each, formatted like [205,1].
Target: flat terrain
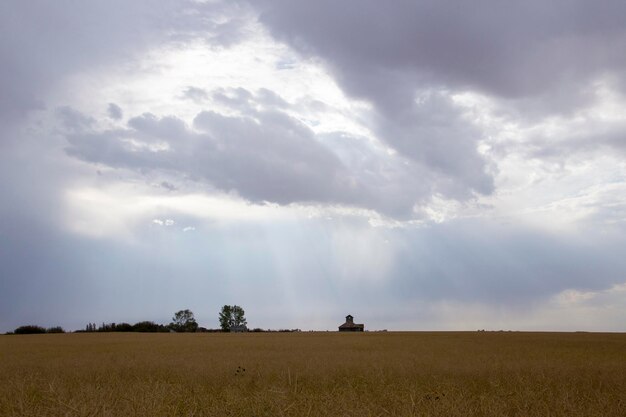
[314,374]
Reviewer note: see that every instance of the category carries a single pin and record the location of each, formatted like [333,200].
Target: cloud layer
[422,164]
[530,49]
[262,154]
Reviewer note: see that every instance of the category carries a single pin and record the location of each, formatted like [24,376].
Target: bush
[57,329]
[30,329]
[149,327]
[123,327]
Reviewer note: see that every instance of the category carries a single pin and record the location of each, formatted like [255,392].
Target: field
[314,374]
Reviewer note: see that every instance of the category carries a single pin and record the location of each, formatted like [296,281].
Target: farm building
[350,326]
[238,329]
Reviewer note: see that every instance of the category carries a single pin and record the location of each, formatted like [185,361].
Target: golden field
[314,374]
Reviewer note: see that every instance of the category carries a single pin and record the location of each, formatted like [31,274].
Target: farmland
[314,374]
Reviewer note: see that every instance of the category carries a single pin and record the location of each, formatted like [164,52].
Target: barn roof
[347,325]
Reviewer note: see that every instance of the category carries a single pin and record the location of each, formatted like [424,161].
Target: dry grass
[314,374]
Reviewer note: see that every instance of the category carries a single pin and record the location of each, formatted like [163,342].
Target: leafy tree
[57,329]
[183,321]
[148,327]
[239,316]
[226,318]
[123,327]
[232,316]
[29,329]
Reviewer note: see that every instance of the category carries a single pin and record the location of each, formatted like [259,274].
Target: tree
[123,327]
[183,321]
[56,329]
[226,318]
[148,327]
[239,316]
[29,329]
[232,316]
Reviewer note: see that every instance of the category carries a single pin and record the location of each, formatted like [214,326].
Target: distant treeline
[33,329]
[152,327]
[231,318]
[141,327]
[257,330]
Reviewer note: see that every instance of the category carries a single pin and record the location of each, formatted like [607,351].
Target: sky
[420,165]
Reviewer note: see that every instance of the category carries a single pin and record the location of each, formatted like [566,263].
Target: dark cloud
[273,158]
[508,265]
[383,52]
[74,120]
[433,133]
[195,94]
[264,155]
[408,59]
[114,111]
[168,186]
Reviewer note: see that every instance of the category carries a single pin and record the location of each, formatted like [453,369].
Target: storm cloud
[514,51]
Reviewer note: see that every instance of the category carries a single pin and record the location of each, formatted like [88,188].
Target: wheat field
[314,374]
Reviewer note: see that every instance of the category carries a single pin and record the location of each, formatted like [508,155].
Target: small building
[351,326]
[238,329]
